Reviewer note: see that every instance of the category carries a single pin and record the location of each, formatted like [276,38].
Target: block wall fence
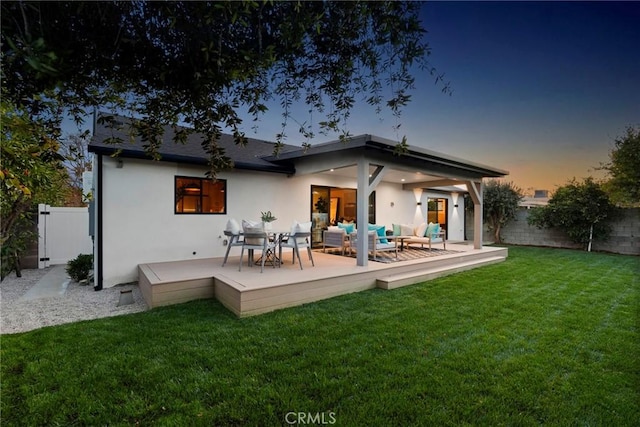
[624,238]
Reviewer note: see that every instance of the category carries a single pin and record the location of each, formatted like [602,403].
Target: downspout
[99,234]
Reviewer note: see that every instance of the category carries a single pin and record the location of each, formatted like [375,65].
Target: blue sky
[540,89]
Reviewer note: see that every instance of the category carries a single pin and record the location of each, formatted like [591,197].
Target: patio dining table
[271,253]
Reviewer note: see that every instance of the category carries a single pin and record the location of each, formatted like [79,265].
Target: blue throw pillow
[430,230]
[397,230]
[380,231]
[348,228]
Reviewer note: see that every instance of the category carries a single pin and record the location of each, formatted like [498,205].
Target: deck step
[418,276]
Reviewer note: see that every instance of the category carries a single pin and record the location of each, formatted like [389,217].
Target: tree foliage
[580,209]
[75,150]
[31,172]
[500,204]
[624,169]
[204,63]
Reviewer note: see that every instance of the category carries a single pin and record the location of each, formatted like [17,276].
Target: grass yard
[547,337]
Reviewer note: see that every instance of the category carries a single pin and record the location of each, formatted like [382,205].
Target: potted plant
[267,219]
[322,205]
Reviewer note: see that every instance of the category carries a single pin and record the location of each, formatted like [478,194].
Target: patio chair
[300,237]
[233,240]
[256,238]
[233,232]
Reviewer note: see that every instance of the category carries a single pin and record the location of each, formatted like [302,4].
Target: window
[200,196]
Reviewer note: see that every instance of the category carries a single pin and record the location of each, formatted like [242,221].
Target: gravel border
[79,302]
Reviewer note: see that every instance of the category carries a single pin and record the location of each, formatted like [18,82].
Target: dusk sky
[540,89]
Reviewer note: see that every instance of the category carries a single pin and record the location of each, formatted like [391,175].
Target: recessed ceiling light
[402,180]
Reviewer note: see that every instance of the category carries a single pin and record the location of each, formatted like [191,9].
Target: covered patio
[371,160]
[249,292]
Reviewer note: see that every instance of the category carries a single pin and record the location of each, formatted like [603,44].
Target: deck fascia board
[250,292]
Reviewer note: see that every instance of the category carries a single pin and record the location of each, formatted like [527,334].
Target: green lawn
[547,337]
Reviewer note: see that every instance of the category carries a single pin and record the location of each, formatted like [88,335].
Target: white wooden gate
[63,234]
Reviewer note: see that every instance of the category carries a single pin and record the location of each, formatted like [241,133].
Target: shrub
[581,209]
[78,269]
[500,204]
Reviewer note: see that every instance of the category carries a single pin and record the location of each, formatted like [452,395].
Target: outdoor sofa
[423,234]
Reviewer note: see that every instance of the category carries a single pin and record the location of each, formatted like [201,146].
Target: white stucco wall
[140,226]
[455,216]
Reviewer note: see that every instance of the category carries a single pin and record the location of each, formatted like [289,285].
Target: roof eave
[388,146]
[135,154]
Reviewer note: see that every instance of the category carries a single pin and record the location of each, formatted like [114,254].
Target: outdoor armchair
[335,237]
[375,243]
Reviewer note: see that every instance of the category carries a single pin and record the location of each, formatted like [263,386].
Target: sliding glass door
[319,212]
[331,205]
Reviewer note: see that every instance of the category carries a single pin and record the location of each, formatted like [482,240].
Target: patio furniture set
[253,235]
[344,236]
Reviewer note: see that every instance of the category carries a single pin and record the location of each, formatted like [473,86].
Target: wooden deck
[249,292]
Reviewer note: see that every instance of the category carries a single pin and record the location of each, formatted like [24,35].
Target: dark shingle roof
[258,154]
[251,156]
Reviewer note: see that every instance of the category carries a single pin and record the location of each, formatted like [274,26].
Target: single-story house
[152,211]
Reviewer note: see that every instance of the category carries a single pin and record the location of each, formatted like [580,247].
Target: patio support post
[366,185]
[362,203]
[475,191]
